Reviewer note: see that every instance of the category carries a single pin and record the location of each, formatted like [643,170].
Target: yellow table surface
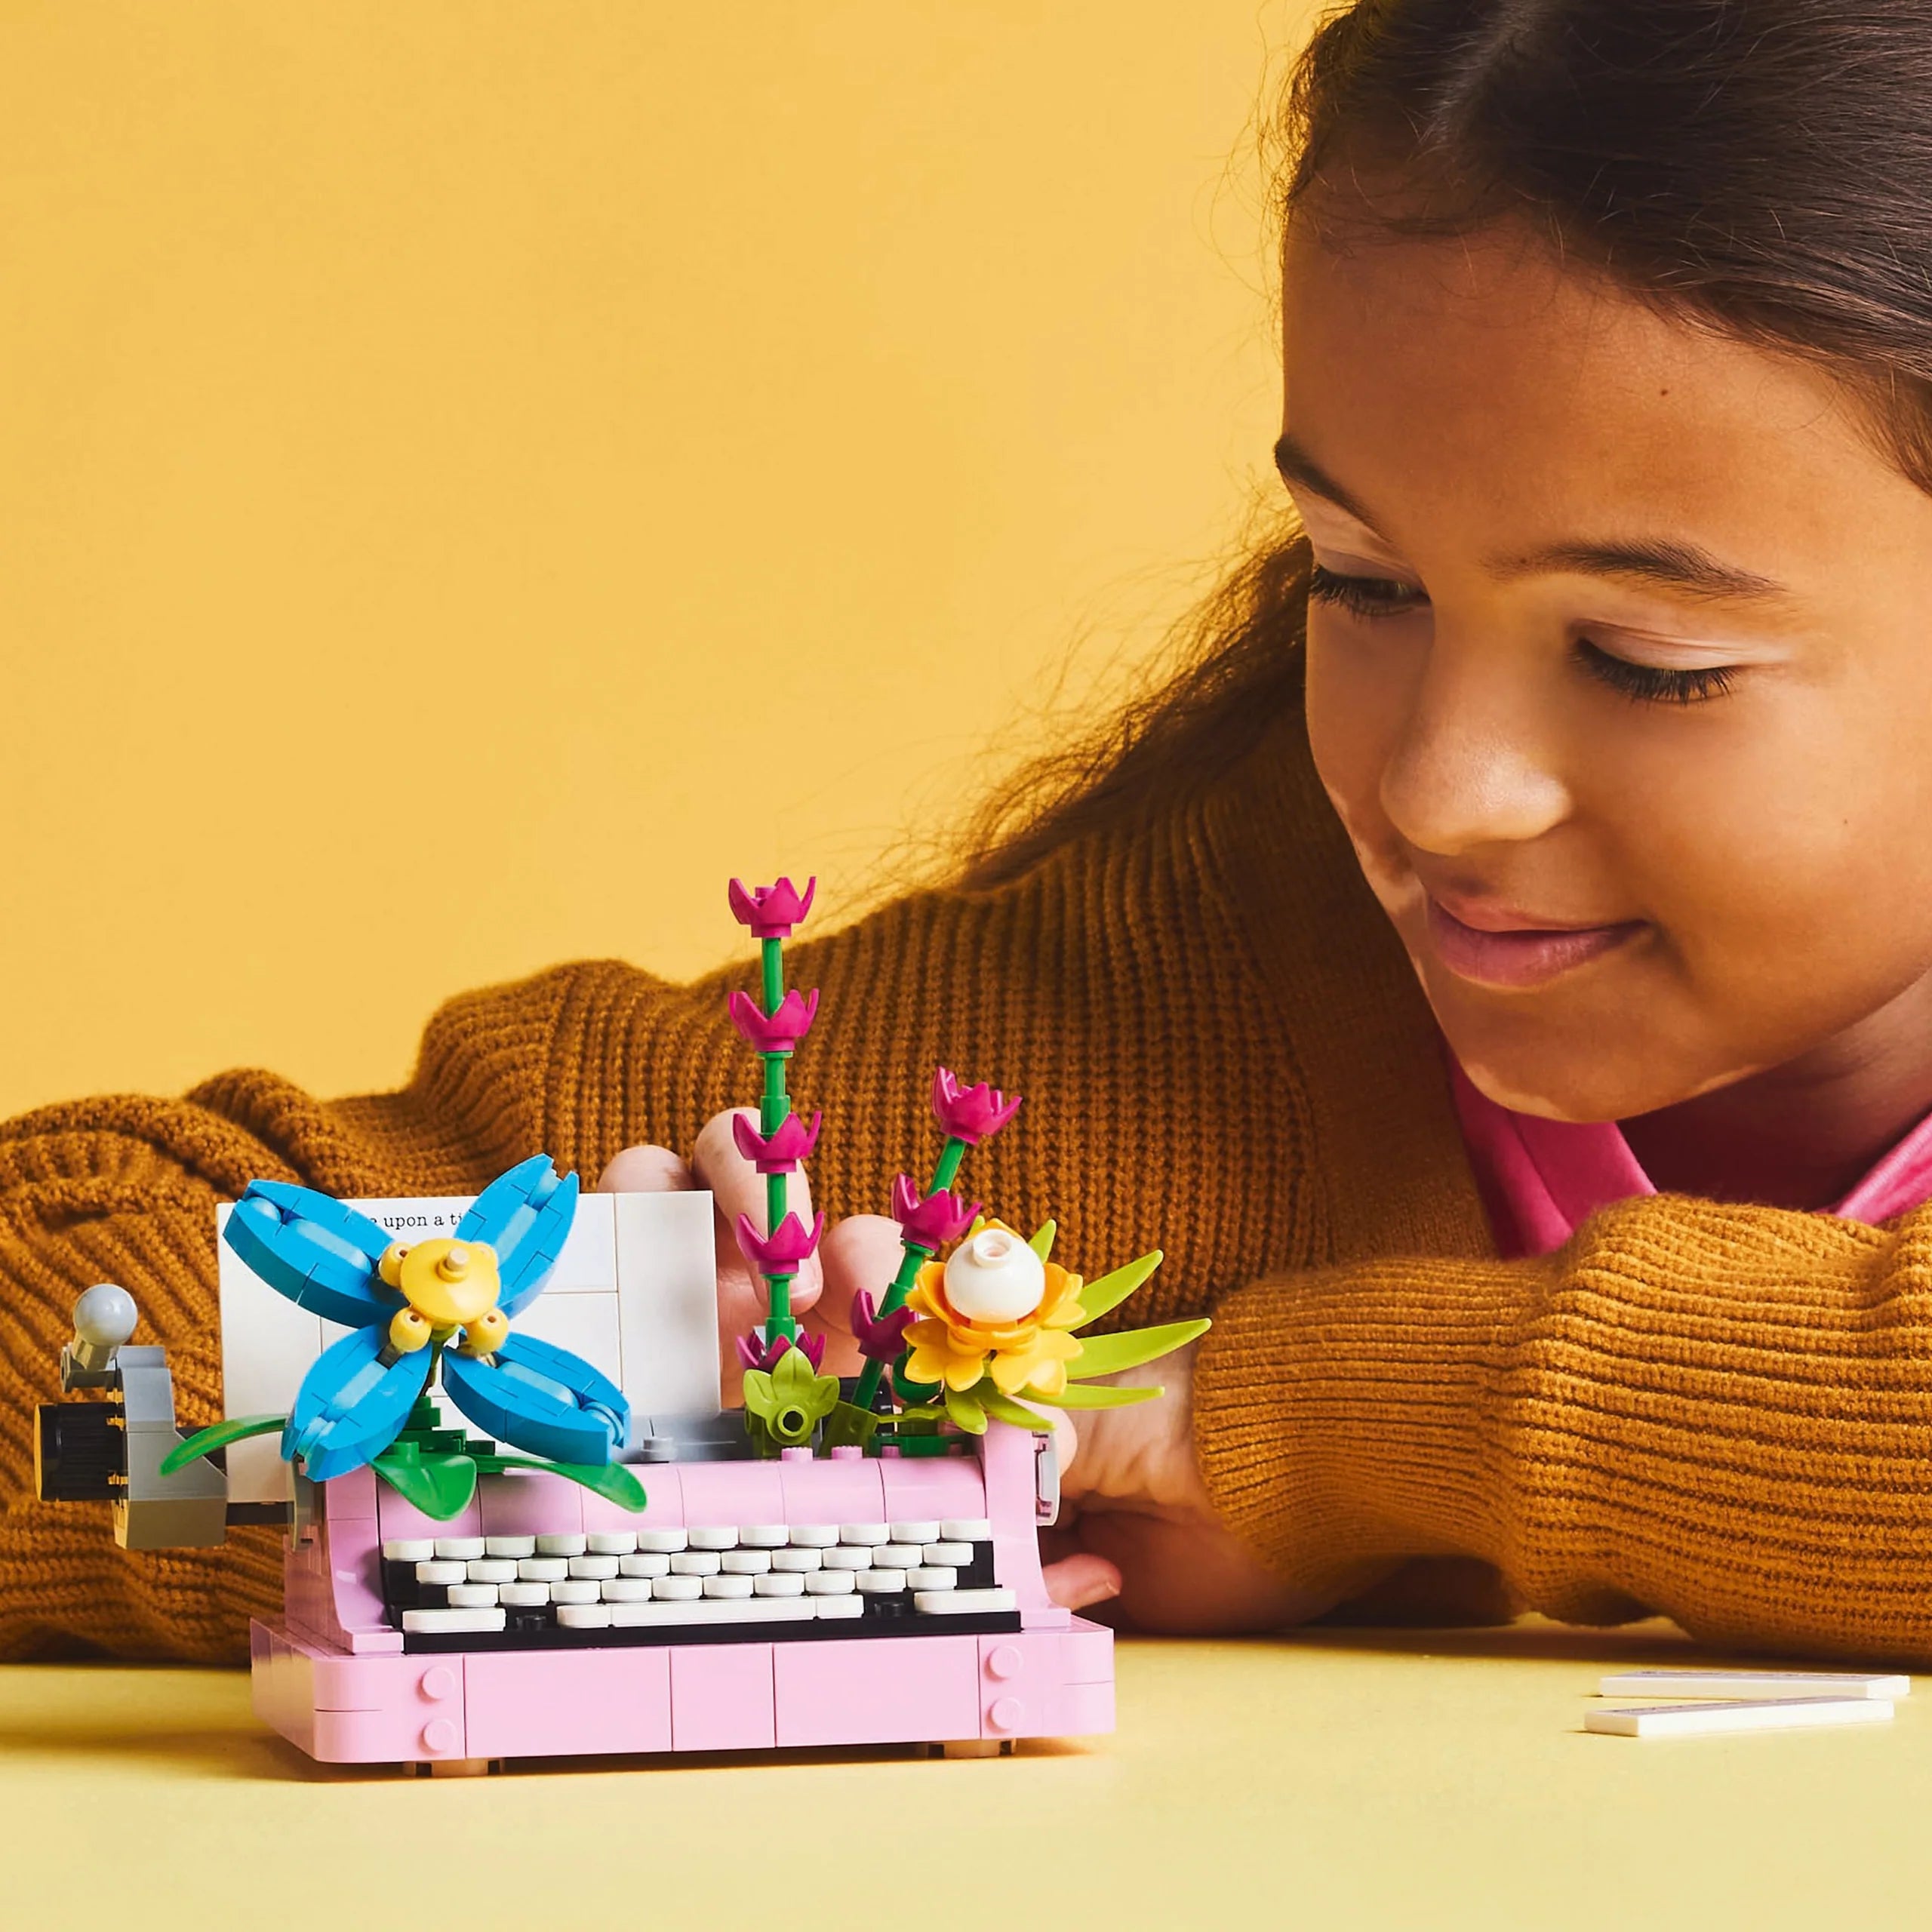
[1419,1779]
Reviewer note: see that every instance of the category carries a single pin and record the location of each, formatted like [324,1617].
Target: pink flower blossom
[970,1113]
[754,1352]
[932,1222]
[880,1337]
[771,911]
[781,1251]
[777,1032]
[781,1151]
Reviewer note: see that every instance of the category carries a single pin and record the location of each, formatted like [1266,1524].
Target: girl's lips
[1522,956]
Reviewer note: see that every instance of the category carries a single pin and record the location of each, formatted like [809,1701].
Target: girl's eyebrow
[1674,564]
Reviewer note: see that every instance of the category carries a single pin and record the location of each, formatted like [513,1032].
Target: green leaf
[218,1435]
[439,1486]
[1108,1355]
[1085,1395]
[965,1413]
[1110,1291]
[924,1412]
[613,1481]
[1042,1242]
[849,1424]
[1004,1408]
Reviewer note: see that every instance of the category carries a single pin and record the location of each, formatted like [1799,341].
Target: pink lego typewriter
[521,1525]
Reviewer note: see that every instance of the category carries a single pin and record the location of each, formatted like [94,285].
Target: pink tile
[718,1493]
[832,1489]
[527,1502]
[664,1502]
[876,1691]
[559,1703]
[398,1518]
[926,1486]
[721,1693]
[1006,1458]
[350,1496]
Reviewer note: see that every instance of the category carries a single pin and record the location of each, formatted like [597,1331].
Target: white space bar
[704,1610]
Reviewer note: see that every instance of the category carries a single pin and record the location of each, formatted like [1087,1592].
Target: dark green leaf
[218,1435]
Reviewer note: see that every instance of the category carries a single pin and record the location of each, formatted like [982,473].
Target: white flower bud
[995,1278]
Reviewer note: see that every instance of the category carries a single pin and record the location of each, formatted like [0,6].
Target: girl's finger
[738,1188]
[645,1169]
[1077,1581]
[862,1251]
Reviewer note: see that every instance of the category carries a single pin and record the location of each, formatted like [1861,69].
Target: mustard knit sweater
[1720,1413]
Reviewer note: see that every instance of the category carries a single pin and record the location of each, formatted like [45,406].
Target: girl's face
[1619,658]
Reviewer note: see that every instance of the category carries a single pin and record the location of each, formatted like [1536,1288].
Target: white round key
[864,1536]
[797,1559]
[560,1546]
[916,1533]
[599,1569]
[577,1589]
[472,1596]
[459,1549]
[584,1616]
[899,1556]
[612,1542]
[880,1582]
[814,1536]
[745,1562]
[644,1564]
[627,1589]
[662,1541]
[844,1557]
[950,1555]
[410,1550]
[542,1569]
[510,1547]
[933,1579]
[442,1573]
[764,1535]
[491,1570]
[722,1585]
[966,1529]
[677,1589]
[715,1537]
[523,1596]
[779,1583]
[830,1584]
[695,1563]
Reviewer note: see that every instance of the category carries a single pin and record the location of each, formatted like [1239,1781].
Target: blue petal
[311,1247]
[350,1406]
[525,1215]
[542,1399]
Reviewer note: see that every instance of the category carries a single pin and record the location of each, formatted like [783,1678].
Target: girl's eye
[1363,596]
[1650,684]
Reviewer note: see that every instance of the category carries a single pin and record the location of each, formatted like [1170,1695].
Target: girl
[1478,972]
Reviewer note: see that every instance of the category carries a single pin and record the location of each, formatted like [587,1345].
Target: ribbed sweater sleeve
[1721,1413]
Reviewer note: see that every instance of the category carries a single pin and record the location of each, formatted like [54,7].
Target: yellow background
[475,475]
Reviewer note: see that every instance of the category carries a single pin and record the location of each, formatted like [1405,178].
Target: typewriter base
[1055,1679]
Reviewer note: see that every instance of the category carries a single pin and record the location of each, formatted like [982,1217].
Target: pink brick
[832,1489]
[528,1502]
[919,1487]
[878,1690]
[558,1703]
[664,1502]
[718,1493]
[721,1695]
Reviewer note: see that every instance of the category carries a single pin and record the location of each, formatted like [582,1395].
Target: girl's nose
[1474,764]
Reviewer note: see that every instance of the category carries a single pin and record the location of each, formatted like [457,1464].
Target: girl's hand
[1136,1522]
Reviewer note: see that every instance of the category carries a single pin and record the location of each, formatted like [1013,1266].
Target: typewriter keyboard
[699,1584]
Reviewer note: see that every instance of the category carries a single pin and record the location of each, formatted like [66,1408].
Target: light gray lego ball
[104,1315]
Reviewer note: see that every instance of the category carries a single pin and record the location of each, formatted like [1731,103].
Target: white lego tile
[491,1570]
[899,1556]
[929,1577]
[459,1549]
[797,1559]
[961,1603]
[612,1542]
[778,1583]
[716,1535]
[825,1607]
[728,1588]
[410,1550]
[752,1610]
[677,1589]
[764,1536]
[429,1622]
[664,1540]
[880,1582]
[1765,1713]
[667,1298]
[864,1536]
[542,1569]
[916,1533]
[599,1569]
[523,1596]
[951,1556]
[627,1589]
[845,1558]
[814,1536]
[1691,1684]
[442,1573]
[966,1529]
[561,1545]
[644,1564]
[510,1547]
[696,1563]
[585,1615]
[576,1589]
[830,1584]
[745,1562]
[473,1596]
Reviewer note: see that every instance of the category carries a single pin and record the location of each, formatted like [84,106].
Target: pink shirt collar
[1540,1180]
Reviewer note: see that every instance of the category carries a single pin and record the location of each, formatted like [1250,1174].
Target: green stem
[911,1261]
[774,1105]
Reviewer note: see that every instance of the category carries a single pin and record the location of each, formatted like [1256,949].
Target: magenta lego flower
[779,1032]
[771,911]
[780,1152]
[932,1222]
[970,1113]
[754,1352]
[781,1251]
[880,1337]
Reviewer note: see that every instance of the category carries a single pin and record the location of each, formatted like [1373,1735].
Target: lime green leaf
[439,1486]
[965,1413]
[1042,1243]
[1004,1408]
[218,1435]
[1086,1395]
[1110,1291]
[1108,1355]
[849,1424]
[613,1481]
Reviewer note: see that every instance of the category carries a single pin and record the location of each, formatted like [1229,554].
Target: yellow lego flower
[994,1309]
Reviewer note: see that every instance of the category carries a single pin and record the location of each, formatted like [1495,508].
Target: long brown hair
[1762,167]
